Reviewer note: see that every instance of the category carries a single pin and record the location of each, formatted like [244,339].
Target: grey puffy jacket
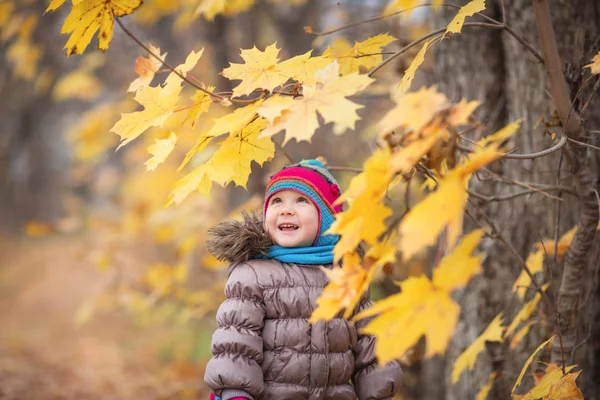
[264,348]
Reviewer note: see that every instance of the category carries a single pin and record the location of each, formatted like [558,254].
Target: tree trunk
[493,67]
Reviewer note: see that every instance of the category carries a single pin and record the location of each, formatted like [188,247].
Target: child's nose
[287,210]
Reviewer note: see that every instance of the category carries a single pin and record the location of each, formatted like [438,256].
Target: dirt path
[45,355]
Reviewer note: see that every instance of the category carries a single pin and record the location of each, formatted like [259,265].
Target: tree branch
[143,46]
[575,259]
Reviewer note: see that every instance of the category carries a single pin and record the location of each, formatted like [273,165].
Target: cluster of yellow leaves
[493,333]
[159,103]
[363,55]
[327,98]
[553,384]
[535,260]
[364,193]
[87,17]
[230,163]
[455,26]
[423,305]
[348,284]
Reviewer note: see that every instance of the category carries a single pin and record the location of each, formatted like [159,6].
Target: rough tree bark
[493,67]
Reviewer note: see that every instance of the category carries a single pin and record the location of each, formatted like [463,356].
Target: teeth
[287,226]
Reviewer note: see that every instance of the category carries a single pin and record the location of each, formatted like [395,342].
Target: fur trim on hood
[239,241]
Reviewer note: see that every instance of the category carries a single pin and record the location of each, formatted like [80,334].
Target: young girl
[264,349]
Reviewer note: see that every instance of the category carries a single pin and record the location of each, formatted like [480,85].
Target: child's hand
[214,397]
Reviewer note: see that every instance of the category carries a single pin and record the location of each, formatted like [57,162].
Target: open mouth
[287,227]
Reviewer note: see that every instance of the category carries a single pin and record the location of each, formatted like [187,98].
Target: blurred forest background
[107,294]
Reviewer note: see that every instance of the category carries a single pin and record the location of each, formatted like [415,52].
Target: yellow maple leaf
[502,134]
[474,6]
[231,162]
[425,309]
[54,4]
[420,227]
[198,180]
[201,103]
[485,389]
[457,268]
[525,312]
[493,333]
[362,55]
[146,68]
[159,103]
[404,160]
[343,288]
[201,142]
[594,66]
[327,98]
[517,337]
[565,388]
[87,17]
[302,68]
[423,305]
[547,246]
[535,263]
[259,71]
[552,374]
[529,360]
[366,191]
[234,121]
[160,150]
[409,74]
[413,110]
[461,112]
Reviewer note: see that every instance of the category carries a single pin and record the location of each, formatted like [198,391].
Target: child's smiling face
[292,219]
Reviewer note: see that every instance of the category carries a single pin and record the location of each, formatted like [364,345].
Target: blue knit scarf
[313,255]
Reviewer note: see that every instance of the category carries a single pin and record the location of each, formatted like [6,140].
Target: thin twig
[591,146]
[498,235]
[342,168]
[427,36]
[366,21]
[193,84]
[539,188]
[533,156]
[407,192]
[594,90]
[509,196]
[558,209]
[528,46]
[285,153]
[555,308]
[503,11]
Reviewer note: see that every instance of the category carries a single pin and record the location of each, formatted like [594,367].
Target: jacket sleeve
[372,382]
[237,344]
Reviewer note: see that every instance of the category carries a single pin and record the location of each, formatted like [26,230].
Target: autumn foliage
[420,135]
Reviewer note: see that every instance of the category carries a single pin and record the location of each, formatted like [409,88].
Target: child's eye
[302,200]
[275,200]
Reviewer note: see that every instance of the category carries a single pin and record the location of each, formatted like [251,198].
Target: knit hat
[312,179]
